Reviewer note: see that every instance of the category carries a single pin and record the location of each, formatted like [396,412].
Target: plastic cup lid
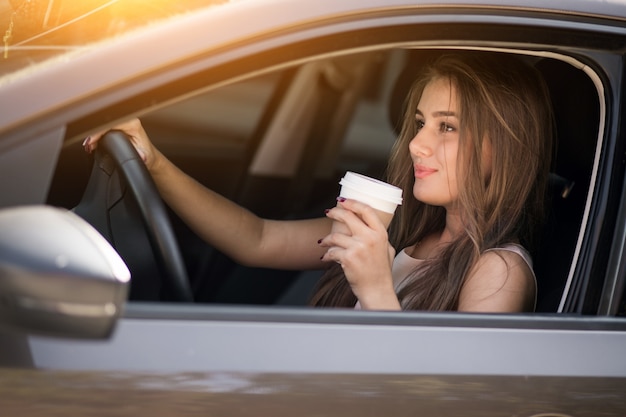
[379,194]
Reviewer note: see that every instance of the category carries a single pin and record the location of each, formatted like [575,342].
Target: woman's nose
[419,145]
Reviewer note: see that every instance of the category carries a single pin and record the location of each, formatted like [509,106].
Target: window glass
[278,144]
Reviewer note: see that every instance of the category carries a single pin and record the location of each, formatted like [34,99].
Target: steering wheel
[152,210]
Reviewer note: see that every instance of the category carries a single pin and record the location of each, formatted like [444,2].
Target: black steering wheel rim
[154,215]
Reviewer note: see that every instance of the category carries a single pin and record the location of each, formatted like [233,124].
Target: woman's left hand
[365,254]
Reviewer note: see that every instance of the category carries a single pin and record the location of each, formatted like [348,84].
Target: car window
[279,142]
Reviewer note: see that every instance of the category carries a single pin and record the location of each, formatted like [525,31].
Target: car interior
[277,143]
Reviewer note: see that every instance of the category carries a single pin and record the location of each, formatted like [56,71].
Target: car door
[273,355]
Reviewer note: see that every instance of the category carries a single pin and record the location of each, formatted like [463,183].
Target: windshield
[36,30]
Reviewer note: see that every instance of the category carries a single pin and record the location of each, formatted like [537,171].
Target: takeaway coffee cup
[382,197]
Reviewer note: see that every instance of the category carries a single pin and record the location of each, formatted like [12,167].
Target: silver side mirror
[58,275]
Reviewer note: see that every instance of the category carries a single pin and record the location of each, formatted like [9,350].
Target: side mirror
[58,275]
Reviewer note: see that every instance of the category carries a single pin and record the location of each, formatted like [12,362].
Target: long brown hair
[501,100]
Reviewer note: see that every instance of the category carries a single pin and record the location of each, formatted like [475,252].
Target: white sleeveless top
[404,264]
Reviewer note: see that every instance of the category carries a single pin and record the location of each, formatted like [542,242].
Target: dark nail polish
[341,199]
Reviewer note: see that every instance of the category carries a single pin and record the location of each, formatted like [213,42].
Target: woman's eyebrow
[444,114]
[441,113]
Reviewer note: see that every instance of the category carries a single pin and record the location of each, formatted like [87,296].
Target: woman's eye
[419,124]
[445,127]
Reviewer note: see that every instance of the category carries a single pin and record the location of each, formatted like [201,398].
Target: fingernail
[341,199]
[87,141]
[319,241]
[326,211]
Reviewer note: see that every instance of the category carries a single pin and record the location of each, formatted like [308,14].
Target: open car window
[278,143]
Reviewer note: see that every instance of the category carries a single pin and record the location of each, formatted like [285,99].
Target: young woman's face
[435,146]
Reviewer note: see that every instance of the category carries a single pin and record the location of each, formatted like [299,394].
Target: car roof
[227,23]
[77,25]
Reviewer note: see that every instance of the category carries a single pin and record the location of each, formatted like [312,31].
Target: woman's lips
[422,171]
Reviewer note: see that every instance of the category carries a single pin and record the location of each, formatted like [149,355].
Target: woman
[474,153]
[465,230]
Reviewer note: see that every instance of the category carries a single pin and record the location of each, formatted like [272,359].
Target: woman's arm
[229,227]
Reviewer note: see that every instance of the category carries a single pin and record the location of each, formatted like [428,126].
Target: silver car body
[174,359]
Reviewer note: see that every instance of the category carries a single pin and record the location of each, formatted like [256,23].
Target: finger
[132,128]
[87,144]
[91,142]
[338,240]
[333,254]
[359,218]
[346,218]
[364,212]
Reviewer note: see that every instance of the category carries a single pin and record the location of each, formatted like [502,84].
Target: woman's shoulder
[502,280]
[513,248]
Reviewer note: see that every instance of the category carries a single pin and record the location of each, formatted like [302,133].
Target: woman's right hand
[138,137]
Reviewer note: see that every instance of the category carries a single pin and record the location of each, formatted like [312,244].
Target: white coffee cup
[384,198]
